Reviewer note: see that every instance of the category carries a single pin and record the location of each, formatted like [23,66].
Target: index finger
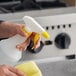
[16,71]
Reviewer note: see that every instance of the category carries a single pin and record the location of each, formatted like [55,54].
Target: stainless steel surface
[58,68]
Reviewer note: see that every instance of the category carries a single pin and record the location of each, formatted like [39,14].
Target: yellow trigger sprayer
[33,26]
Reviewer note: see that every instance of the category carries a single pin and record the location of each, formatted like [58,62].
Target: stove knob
[62,41]
[29,48]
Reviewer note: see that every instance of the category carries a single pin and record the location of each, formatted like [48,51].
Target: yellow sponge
[29,68]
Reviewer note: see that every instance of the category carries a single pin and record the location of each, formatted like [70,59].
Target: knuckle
[4,68]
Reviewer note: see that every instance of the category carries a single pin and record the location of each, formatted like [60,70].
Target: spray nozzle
[33,26]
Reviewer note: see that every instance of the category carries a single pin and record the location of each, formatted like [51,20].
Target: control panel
[62,29]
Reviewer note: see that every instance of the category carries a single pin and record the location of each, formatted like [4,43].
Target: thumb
[22,32]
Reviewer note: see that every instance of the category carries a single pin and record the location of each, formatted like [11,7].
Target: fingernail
[21,49]
[17,46]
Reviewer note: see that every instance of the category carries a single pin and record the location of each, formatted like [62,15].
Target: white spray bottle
[8,46]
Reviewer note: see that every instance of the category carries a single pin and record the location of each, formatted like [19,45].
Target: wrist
[4,32]
[1,21]
[4,25]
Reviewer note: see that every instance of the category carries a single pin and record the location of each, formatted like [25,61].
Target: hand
[23,46]
[8,29]
[6,70]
